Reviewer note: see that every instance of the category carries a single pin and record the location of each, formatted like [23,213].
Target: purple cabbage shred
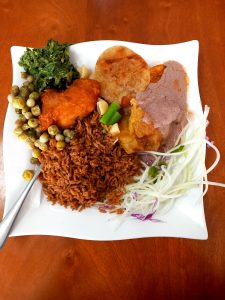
[148,217]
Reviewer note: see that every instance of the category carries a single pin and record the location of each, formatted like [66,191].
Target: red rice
[92,168]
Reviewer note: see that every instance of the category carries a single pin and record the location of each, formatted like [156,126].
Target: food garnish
[111,116]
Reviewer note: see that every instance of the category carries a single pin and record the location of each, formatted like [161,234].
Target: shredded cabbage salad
[172,173]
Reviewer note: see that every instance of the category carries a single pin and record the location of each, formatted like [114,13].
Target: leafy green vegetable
[50,66]
[153,171]
[181,148]
[162,163]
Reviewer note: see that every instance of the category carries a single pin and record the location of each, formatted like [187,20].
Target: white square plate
[186,218]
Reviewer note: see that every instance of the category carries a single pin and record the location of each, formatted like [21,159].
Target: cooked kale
[49,66]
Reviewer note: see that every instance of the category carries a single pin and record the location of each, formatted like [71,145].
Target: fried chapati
[121,72]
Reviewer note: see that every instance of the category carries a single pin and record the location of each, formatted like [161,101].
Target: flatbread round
[121,72]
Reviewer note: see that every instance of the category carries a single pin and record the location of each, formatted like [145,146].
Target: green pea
[30,102]
[23,75]
[34,95]
[33,137]
[71,134]
[53,130]
[25,127]
[43,146]
[18,111]
[30,78]
[33,123]
[30,144]
[17,131]
[34,161]
[25,83]
[67,139]
[59,137]
[25,109]
[31,134]
[36,111]
[36,153]
[28,174]
[37,143]
[18,102]
[60,145]
[30,87]
[24,92]
[22,118]
[38,131]
[44,138]
[66,132]
[19,123]
[28,115]
[15,90]
[23,137]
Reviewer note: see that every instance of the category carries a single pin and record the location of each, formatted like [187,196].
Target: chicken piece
[136,134]
[62,108]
